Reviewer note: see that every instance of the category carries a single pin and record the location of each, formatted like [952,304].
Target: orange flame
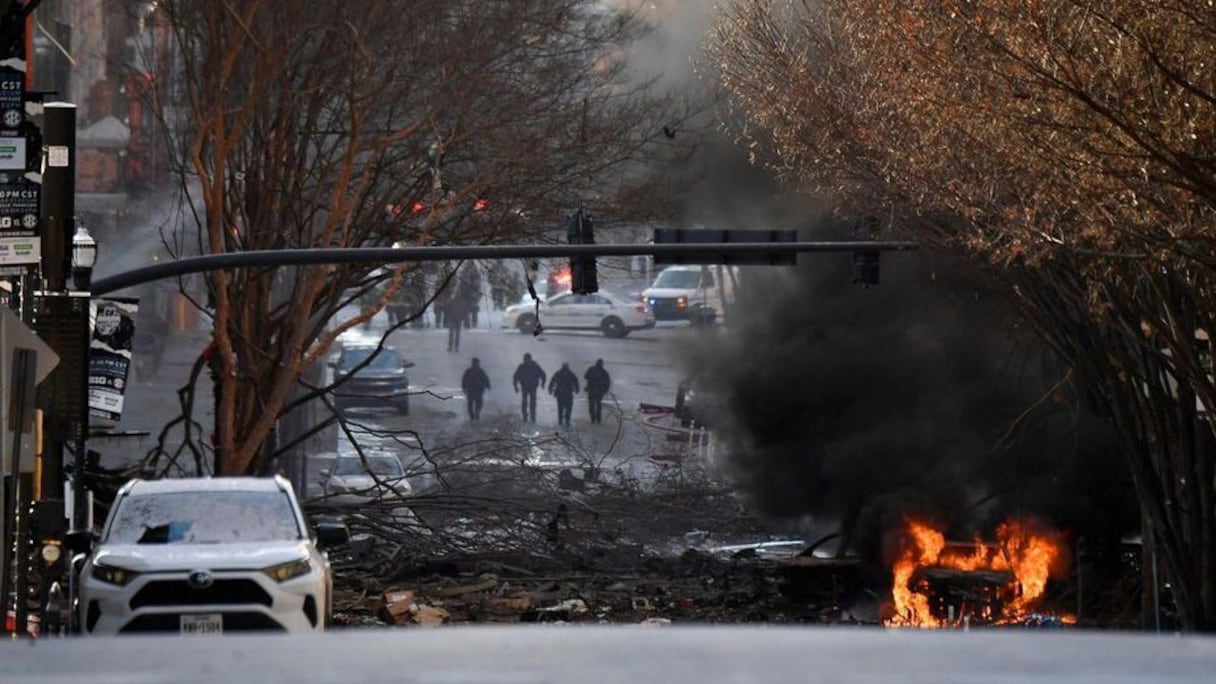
[1029,551]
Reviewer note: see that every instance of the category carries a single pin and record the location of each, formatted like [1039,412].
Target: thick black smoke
[920,396]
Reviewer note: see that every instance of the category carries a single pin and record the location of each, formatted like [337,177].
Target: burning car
[937,583]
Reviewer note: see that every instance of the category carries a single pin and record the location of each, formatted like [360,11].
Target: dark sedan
[371,377]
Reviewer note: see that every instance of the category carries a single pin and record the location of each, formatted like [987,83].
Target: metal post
[58,226]
[24,369]
[81,515]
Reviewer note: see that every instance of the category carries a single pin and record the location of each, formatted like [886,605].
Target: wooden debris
[489,583]
[429,615]
[397,604]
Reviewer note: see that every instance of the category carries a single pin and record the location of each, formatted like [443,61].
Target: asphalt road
[619,654]
[643,366]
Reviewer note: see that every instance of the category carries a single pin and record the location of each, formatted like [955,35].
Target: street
[604,654]
[643,367]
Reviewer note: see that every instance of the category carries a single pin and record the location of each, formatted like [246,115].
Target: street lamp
[84,257]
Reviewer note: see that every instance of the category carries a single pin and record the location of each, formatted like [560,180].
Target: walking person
[454,315]
[528,376]
[598,383]
[475,382]
[470,292]
[564,385]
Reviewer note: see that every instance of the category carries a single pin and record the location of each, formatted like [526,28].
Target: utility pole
[57,313]
[20,189]
[61,319]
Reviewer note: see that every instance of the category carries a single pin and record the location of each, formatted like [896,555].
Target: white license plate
[202,625]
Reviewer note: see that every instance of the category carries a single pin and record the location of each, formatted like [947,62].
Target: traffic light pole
[390,255]
[58,218]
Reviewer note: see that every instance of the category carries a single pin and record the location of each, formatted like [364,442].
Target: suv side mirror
[331,534]
[407,364]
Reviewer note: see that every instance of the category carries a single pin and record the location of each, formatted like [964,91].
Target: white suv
[205,556]
[690,293]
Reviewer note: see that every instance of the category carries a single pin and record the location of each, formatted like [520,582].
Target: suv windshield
[202,517]
[384,467]
[685,280]
[387,358]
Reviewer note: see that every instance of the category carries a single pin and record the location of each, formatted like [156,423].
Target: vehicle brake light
[641,308]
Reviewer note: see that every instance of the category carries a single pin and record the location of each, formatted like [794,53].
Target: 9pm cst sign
[20,241]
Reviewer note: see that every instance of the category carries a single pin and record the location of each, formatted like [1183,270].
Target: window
[381,466]
[204,517]
[387,358]
[684,280]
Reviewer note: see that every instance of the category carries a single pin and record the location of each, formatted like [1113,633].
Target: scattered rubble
[692,587]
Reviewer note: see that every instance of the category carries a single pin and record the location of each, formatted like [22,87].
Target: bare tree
[1069,144]
[323,124]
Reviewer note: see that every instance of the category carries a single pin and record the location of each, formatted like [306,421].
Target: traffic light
[12,30]
[581,231]
[865,268]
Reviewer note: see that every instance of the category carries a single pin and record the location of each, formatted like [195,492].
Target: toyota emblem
[199,579]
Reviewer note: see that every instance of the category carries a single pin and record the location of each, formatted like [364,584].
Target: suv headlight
[285,571]
[113,575]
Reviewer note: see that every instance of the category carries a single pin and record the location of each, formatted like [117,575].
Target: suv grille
[667,307]
[171,622]
[178,593]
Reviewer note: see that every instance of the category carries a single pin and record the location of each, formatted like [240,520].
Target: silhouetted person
[598,383]
[475,382]
[528,376]
[515,288]
[454,315]
[564,385]
[469,292]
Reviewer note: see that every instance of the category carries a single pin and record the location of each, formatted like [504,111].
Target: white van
[691,293]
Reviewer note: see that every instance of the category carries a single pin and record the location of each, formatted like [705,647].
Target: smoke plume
[919,396]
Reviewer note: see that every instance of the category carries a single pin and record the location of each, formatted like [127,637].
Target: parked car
[371,376]
[200,556]
[350,481]
[611,315]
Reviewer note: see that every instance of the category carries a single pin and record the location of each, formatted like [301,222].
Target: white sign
[110,355]
[12,154]
[57,155]
[20,250]
[14,334]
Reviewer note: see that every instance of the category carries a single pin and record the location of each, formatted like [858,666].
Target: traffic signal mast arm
[390,255]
